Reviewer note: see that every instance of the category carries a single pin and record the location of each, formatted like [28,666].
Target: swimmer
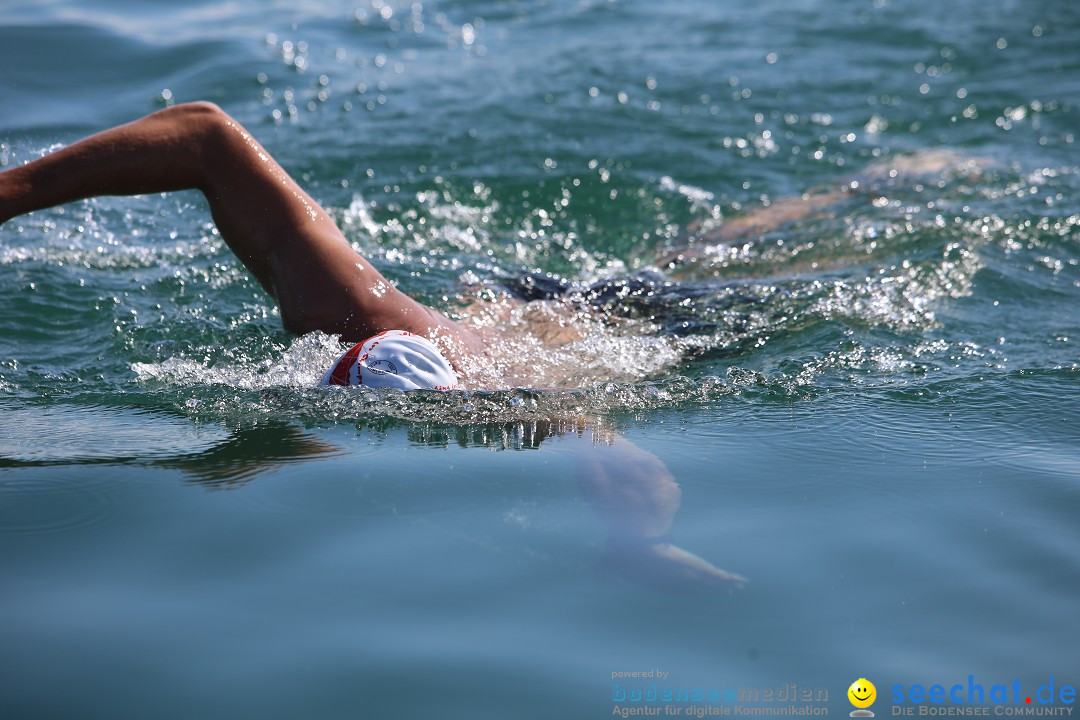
[304,262]
[302,259]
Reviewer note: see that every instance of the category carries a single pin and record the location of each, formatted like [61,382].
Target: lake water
[860,419]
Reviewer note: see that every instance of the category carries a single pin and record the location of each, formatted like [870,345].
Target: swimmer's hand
[667,567]
[630,489]
[636,497]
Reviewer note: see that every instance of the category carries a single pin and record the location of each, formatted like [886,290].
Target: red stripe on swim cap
[340,376]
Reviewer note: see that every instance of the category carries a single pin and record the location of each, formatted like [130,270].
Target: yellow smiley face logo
[862,693]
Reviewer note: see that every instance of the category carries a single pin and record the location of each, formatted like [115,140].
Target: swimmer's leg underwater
[287,241]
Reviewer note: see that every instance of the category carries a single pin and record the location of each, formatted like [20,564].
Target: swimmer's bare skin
[278,231]
[931,165]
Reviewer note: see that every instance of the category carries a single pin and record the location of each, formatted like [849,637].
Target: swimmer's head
[395,359]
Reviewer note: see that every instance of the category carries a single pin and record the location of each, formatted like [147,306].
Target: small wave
[67,434]
[34,505]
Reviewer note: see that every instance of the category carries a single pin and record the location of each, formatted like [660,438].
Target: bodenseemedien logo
[862,695]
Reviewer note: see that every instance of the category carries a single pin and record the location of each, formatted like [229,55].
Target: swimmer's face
[862,693]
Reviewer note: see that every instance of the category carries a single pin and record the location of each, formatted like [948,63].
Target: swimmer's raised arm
[287,241]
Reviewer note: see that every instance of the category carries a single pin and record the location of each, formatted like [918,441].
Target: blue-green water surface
[868,411]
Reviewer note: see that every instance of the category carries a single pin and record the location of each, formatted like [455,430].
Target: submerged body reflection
[629,489]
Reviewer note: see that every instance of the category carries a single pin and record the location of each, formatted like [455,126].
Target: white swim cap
[396,359]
